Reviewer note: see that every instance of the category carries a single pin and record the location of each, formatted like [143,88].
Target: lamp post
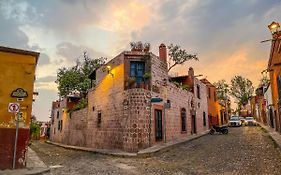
[274,27]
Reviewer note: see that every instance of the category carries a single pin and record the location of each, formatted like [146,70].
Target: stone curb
[143,153]
[275,136]
[25,171]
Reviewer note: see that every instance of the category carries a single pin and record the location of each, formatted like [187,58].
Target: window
[59,125]
[215,96]
[137,70]
[99,119]
[183,119]
[58,114]
[279,87]
[209,92]
[204,119]
[198,91]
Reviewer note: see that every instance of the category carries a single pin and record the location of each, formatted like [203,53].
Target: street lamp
[109,70]
[274,27]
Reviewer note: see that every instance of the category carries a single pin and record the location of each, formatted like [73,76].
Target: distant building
[16,96]
[269,106]
[213,104]
[134,105]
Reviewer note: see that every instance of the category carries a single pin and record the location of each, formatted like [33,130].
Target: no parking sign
[14,107]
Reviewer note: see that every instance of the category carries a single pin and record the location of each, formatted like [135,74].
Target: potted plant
[146,76]
[131,82]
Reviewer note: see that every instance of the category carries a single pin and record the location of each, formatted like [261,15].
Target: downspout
[164,117]
[150,116]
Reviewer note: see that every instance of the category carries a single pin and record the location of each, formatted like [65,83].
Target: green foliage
[222,89]
[76,77]
[35,130]
[179,56]
[183,87]
[264,81]
[259,92]
[83,103]
[147,76]
[177,83]
[241,89]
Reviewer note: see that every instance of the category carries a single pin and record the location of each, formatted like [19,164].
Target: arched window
[183,119]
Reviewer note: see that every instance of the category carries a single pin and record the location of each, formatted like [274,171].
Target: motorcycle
[219,129]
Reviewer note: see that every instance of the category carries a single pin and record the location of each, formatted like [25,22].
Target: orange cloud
[240,62]
[127,17]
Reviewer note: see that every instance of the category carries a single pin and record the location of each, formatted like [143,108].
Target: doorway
[271,118]
[158,125]
[193,124]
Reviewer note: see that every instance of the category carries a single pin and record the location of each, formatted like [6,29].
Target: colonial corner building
[134,105]
[16,97]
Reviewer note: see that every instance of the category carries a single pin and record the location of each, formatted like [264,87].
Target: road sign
[14,107]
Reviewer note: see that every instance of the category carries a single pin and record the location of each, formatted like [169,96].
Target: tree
[179,56]
[241,89]
[264,81]
[76,78]
[222,89]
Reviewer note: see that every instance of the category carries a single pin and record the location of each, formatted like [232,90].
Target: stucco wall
[107,99]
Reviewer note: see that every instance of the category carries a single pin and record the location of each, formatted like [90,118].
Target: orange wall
[274,72]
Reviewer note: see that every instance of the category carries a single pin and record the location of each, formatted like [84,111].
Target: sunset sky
[225,34]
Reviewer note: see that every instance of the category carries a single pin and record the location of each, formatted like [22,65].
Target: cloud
[73,52]
[11,36]
[51,86]
[47,79]
[225,34]
[43,59]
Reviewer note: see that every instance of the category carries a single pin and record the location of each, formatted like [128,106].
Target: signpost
[15,108]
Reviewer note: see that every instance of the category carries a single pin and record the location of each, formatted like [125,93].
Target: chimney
[163,53]
[191,72]
[190,78]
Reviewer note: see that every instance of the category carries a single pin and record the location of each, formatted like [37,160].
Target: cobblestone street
[245,150]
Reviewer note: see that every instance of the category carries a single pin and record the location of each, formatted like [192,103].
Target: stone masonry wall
[179,99]
[75,128]
[136,119]
[201,105]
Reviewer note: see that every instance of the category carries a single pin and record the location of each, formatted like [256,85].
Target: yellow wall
[17,71]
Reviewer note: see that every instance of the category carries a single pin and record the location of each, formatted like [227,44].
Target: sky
[225,34]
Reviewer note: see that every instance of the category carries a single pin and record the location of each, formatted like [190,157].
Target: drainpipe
[164,117]
[150,116]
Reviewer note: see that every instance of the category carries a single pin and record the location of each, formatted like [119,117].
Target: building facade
[274,68]
[135,105]
[213,104]
[16,96]
[269,104]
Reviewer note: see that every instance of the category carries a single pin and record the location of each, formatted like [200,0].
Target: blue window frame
[137,70]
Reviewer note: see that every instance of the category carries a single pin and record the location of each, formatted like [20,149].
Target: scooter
[219,129]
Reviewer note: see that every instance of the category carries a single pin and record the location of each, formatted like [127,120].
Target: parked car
[234,121]
[250,121]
